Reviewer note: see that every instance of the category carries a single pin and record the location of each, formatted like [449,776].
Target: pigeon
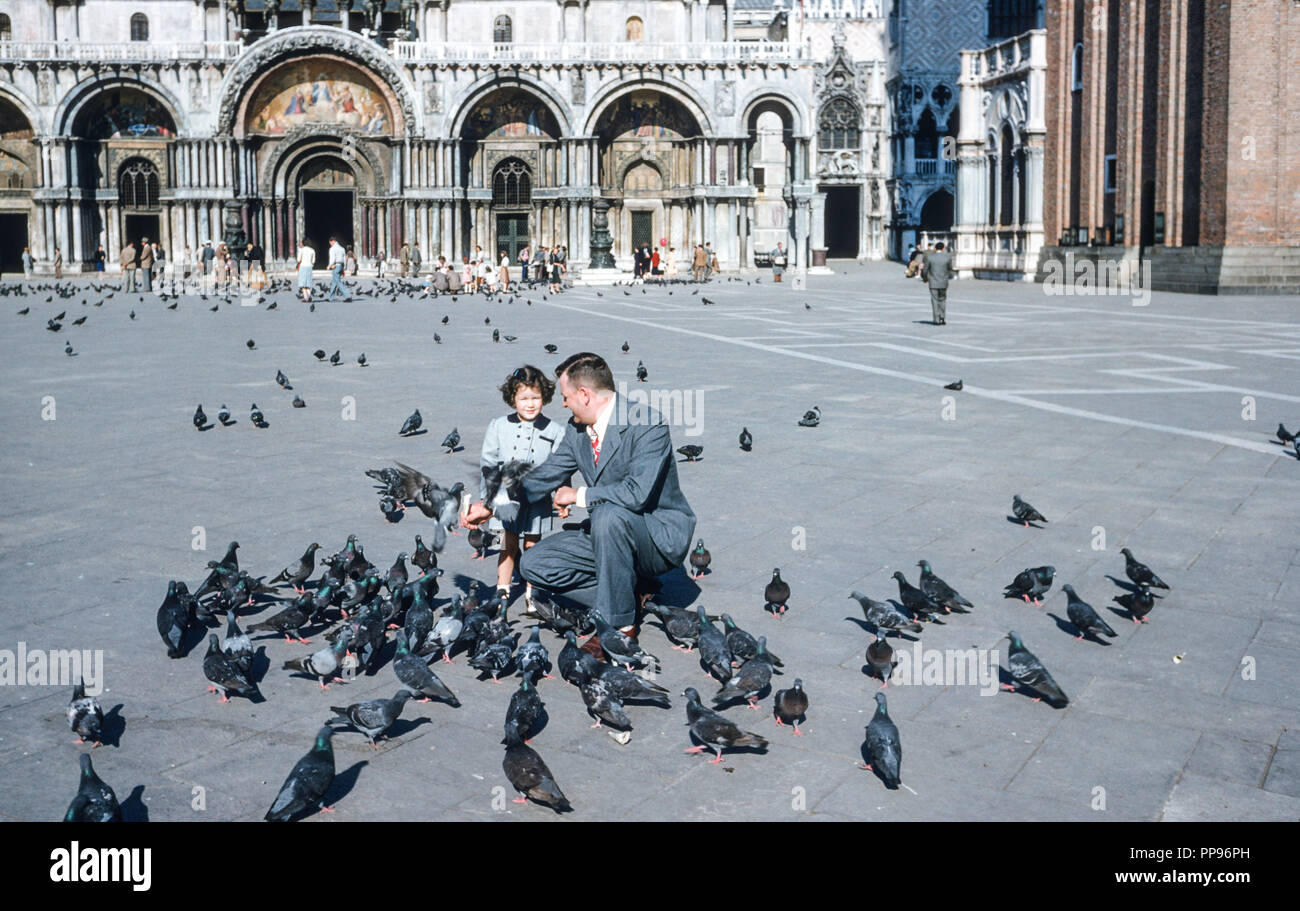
[1024,512]
[699,559]
[308,781]
[551,349]
[883,615]
[419,620]
[562,617]
[1084,618]
[529,776]
[940,591]
[1030,583]
[915,600]
[334,359]
[85,717]
[524,710]
[880,657]
[714,652]
[882,748]
[255,416]
[493,658]
[692,452]
[743,646]
[713,730]
[373,716]
[776,594]
[95,801]
[423,558]
[682,627]
[625,347]
[445,319]
[811,418]
[706,302]
[24,311]
[1140,572]
[598,694]
[1138,603]
[174,619]
[361,359]
[445,632]
[752,678]
[625,685]
[532,659]
[641,372]
[1029,671]
[496,335]
[67,349]
[250,343]
[568,660]
[199,418]
[132,314]
[480,539]
[290,620]
[791,706]
[451,440]
[319,354]
[298,402]
[238,647]
[746,440]
[224,674]
[415,675]
[282,380]
[323,663]
[620,647]
[955,387]
[411,424]
[53,326]
[1283,434]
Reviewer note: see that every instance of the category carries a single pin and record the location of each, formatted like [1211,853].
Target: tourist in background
[778,262]
[306,260]
[100,257]
[379,263]
[128,267]
[503,278]
[58,263]
[146,263]
[337,260]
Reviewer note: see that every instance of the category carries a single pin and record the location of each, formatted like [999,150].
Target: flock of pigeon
[358,607]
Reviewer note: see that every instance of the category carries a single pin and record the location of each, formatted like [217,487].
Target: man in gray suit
[937,272]
[640,523]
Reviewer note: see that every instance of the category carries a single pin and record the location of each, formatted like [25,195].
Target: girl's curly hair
[529,376]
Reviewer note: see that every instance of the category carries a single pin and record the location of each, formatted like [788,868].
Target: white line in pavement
[1011,398]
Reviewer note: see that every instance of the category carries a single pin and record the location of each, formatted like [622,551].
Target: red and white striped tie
[595,450]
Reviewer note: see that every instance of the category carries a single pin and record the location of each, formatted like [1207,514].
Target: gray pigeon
[882,748]
[623,684]
[713,730]
[713,648]
[752,678]
[883,615]
[308,782]
[1140,572]
[1030,584]
[445,631]
[940,591]
[602,702]
[1028,671]
[620,647]
[374,716]
[1138,603]
[238,647]
[880,657]
[416,676]
[323,663]
[1084,618]
[744,646]
[532,658]
[1024,512]
[681,626]
[174,619]
[224,673]
[524,710]
[528,775]
[95,801]
[85,717]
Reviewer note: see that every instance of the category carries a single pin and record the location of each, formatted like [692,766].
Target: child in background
[530,436]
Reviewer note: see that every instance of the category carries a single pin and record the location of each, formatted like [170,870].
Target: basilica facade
[454,124]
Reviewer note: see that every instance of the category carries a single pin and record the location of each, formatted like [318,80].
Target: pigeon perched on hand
[1024,512]
[1085,618]
[1028,671]
[308,781]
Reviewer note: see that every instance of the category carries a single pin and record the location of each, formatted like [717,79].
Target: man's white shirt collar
[598,429]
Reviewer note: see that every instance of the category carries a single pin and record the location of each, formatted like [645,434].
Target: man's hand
[475,515]
[564,496]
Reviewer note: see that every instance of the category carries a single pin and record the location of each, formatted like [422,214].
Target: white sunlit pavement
[1149,427]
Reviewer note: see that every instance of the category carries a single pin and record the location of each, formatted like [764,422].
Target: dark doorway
[326,214]
[936,214]
[13,237]
[642,229]
[842,221]
[139,227]
[512,234]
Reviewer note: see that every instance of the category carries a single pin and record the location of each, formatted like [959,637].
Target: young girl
[530,436]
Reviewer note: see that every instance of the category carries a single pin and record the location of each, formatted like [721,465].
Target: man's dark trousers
[641,524]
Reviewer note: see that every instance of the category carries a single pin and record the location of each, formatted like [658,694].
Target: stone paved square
[1118,422]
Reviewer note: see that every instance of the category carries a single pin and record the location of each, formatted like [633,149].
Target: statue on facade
[374,9]
[272,15]
[408,10]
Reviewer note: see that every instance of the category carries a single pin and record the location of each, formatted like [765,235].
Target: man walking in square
[698,262]
[937,272]
[336,270]
[416,260]
[29,263]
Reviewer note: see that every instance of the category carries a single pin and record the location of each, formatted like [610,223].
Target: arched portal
[17,167]
[937,213]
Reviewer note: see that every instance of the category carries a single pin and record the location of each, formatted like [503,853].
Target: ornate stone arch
[86,91]
[26,106]
[764,99]
[674,89]
[650,160]
[304,41]
[307,141]
[480,89]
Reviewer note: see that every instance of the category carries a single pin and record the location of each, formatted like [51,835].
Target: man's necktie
[595,450]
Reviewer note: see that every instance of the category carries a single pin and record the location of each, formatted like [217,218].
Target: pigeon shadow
[1065,625]
[261,665]
[1130,587]
[343,784]
[677,589]
[114,725]
[134,808]
[1120,610]
[739,700]
[414,433]
[869,671]
[1014,521]
[206,427]
[405,726]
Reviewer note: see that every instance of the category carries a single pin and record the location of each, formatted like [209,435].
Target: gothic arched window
[6,29]
[838,125]
[1076,68]
[512,184]
[139,27]
[633,30]
[137,185]
[502,31]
